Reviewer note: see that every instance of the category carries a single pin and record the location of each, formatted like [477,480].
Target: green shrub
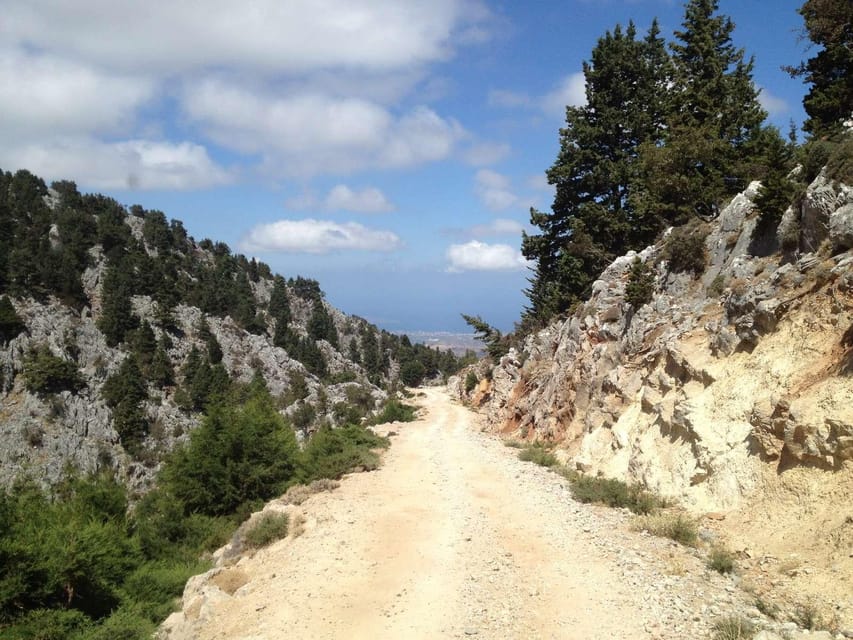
[395,411]
[539,455]
[10,323]
[807,616]
[839,165]
[733,628]
[676,527]
[47,373]
[614,493]
[269,528]
[471,381]
[641,284]
[126,623]
[155,585]
[46,624]
[717,286]
[721,559]
[330,453]
[684,249]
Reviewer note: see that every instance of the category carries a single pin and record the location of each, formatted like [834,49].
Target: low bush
[333,452]
[471,381]
[684,249]
[615,493]
[395,411]
[47,373]
[641,284]
[733,628]
[721,559]
[538,454]
[676,527]
[269,528]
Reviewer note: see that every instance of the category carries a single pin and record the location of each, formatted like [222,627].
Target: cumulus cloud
[494,190]
[367,200]
[41,94]
[267,35]
[343,198]
[311,134]
[485,153]
[317,236]
[110,72]
[130,164]
[773,105]
[569,91]
[479,256]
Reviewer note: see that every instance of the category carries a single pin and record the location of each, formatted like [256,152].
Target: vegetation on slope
[78,564]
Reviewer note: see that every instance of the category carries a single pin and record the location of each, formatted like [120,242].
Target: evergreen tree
[116,317]
[828,24]
[10,323]
[321,326]
[160,372]
[593,217]
[714,121]
[279,306]
[496,345]
[641,283]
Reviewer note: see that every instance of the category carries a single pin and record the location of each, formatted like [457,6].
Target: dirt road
[454,537]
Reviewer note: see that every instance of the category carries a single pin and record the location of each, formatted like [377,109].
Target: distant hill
[118,331]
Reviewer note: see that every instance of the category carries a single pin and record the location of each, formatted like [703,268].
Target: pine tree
[593,217]
[279,306]
[321,326]
[828,24]
[714,121]
[10,322]
[116,317]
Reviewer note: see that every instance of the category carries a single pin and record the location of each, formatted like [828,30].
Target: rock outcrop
[716,379]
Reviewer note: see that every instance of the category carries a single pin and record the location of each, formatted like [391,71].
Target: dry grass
[675,526]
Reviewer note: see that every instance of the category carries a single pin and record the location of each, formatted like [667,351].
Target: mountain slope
[147,327]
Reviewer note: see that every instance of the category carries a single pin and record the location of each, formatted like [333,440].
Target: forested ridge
[124,336]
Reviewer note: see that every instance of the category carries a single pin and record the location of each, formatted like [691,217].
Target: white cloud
[310,134]
[131,164]
[45,95]
[267,35]
[497,227]
[570,91]
[301,87]
[367,200]
[773,105]
[486,153]
[494,190]
[479,256]
[317,236]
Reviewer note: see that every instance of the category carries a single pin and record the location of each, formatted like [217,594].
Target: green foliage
[684,249]
[538,454]
[237,455]
[395,411]
[330,453]
[496,343]
[10,323]
[721,559]
[125,384]
[471,381]
[678,527]
[614,493]
[47,373]
[641,284]
[593,216]
[839,165]
[279,306]
[320,325]
[306,288]
[269,528]
[116,318]
[827,24]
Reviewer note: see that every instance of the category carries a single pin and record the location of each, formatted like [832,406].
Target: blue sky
[389,148]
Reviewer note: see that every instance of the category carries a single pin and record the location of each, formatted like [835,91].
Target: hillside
[119,331]
[728,390]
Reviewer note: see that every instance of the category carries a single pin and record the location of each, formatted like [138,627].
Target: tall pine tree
[593,218]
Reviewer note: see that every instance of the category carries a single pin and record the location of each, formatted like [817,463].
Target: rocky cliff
[730,393]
